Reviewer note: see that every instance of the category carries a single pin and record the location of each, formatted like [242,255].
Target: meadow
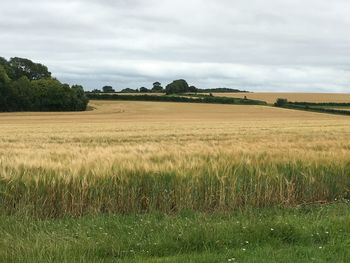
[134,160]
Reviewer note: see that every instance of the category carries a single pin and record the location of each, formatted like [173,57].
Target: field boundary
[314,107]
[201,99]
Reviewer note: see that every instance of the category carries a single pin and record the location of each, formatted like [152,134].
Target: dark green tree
[4,78]
[108,89]
[281,102]
[21,94]
[24,67]
[4,89]
[157,87]
[144,90]
[177,86]
[80,99]
[192,89]
[51,95]
[128,90]
[31,88]
[6,66]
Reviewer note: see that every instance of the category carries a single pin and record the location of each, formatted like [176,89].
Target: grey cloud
[261,45]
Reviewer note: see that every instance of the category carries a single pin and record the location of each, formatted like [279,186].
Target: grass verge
[302,234]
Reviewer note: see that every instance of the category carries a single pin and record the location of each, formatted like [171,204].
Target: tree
[4,78]
[31,88]
[80,97]
[157,87]
[177,86]
[96,91]
[143,89]
[24,67]
[4,89]
[281,102]
[108,89]
[51,95]
[192,89]
[6,66]
[128,90]
[3,62]
[21,94]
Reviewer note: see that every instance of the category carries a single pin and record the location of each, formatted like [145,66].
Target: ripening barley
[143,156]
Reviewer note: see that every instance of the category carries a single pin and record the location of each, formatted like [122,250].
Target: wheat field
[271,97]
[124,157]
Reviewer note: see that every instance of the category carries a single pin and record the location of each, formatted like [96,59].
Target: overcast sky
[259,45]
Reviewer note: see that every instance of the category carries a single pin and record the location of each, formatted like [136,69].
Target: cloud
[254,44]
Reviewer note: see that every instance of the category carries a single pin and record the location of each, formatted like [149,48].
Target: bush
[281,102]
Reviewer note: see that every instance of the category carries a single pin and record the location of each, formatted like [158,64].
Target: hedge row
[314,107]
[208,99]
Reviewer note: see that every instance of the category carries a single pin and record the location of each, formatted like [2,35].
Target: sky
[256,45]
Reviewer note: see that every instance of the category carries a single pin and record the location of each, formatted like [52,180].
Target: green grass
[301,234]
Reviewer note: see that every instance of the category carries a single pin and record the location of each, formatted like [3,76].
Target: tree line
[176,87]
[157,98]
[29,86]
[157,88]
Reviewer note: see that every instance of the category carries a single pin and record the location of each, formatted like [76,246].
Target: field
[300,97]
[180,164]
[339,108]
[271,97]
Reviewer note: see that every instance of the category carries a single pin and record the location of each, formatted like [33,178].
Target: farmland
[185,164]
[271,97]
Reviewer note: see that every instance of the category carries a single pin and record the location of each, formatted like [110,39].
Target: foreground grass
[303,234]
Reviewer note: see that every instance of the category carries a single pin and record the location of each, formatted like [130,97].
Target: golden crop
[142,156]
[271,97]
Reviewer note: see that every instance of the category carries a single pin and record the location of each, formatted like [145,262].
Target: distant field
[135,93]
[300,97]
[271,97]
[340,108]
[112,112]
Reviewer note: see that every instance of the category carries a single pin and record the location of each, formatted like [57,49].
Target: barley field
[126,157]
[271,97]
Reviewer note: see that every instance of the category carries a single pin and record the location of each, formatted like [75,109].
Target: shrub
[281,102]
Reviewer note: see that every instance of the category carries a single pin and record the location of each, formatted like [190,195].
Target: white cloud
[253,44]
